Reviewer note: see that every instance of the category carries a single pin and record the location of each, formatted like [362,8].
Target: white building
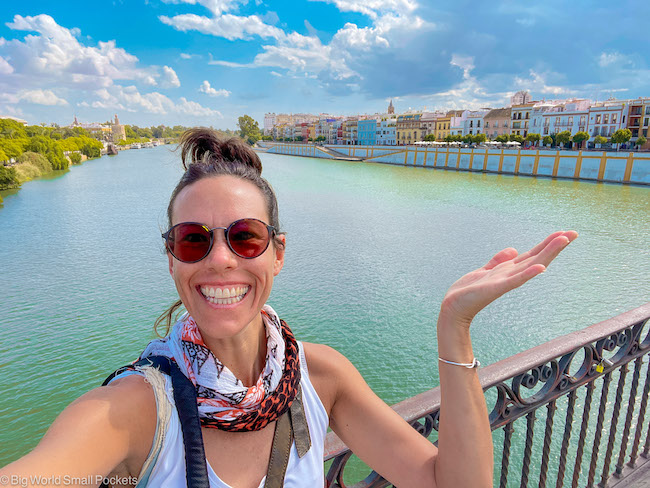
[474,123]
[605,118]
[269,123]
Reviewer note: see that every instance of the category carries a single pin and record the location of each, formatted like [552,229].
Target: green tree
[8,178]
[323,138]
[249,130]
[3,156]
[13,147]
[579,138]
[468,139]
[503,138]
[298,138]
[533,138]
[563,138]
[50,149]
[547,141]
[600,140]
[480,138]
[75,157]
[517,138]
[430,137]
[130,133]
[640,141]
[11,129]
[621,136]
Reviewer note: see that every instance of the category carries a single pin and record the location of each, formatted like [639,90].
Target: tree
[517,138]
[580,137]
[503,138]
[641,141]
[547,141]
[621,136]
[600,140]
[533,138]
[563,138]
[468,139]
[480,138]
[298,138]
[248,129]
[321,138]
[430,137]
[8,178]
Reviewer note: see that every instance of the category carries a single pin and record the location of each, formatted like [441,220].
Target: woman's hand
[506,271]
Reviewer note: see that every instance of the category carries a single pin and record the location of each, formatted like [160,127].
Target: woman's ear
[279,253]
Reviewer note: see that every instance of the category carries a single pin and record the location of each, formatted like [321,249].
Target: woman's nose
[220,255]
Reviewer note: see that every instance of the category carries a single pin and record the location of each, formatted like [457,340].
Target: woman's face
[217,202]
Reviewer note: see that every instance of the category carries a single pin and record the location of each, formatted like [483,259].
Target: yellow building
[409,129]
[442,128]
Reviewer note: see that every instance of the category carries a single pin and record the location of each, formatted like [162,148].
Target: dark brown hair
[204,155]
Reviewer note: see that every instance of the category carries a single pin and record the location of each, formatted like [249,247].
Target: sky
[207,62]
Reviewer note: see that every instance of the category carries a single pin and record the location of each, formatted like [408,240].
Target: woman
[249,374]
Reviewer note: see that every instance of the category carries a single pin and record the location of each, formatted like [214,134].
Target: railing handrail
[417,406]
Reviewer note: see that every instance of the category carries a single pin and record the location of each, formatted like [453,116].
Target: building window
[496,124]
[614,117]
[570,120]
[478,124]
[582,120]
[606,119]
[487,124]
[598,119]
[645,122]
[471,122]
[647,110]
[596,131]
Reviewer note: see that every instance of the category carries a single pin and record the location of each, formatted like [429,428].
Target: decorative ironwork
[540,377]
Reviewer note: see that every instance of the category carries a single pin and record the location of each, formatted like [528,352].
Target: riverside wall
[612,167]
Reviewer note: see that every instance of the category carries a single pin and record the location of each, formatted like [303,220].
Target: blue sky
[206,62]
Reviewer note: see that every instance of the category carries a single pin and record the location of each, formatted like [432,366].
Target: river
[371,250]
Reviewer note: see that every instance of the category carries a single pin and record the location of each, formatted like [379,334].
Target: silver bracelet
[474,364]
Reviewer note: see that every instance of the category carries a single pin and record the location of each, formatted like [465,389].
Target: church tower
[391,109]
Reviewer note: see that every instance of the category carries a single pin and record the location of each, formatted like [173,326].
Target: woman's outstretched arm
[464,456]
[464,440]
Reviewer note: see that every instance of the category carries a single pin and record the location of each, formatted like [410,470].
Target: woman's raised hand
[506,271]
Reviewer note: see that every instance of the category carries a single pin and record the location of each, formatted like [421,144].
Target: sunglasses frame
[226,230]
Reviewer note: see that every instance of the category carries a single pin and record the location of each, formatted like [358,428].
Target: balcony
[568,378]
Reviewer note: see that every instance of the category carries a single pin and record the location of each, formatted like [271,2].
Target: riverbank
[600,166]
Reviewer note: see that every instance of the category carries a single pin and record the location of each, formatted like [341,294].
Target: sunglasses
[190,242]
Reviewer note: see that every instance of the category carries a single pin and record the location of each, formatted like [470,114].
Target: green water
[371,250]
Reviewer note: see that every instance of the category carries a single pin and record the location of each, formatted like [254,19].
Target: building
[15,119]
[521,98]
[409,128]
[521,118]
[605,118]
[118,132]
[386,126]
[442,127]
[391,109]
[102,132]
[367,132]
[474,123]
[497,122]
[269,123]
[638,119]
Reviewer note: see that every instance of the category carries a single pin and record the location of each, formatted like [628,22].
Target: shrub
[8,178]
[26,172]
[75,158]
[38,160]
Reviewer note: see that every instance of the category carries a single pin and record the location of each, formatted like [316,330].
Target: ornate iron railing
[564,375]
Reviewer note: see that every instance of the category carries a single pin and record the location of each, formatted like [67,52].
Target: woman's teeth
[224,296]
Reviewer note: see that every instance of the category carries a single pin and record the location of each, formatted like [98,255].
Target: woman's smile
[224,295]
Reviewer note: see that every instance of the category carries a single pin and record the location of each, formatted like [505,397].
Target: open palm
[506,271]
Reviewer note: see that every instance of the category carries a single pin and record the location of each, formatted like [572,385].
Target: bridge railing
[594,428]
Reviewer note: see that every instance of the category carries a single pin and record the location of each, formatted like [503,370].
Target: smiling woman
[229,397]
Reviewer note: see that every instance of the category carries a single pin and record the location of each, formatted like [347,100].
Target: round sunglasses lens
[248,238]
[189,242]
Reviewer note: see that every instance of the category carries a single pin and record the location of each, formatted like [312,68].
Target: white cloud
[130,99]
[215,6]
[228,26]
[613,58]
[55,56]
[170,78]
[186,56]
[374,8]
[537,83]
[41,97]
[5,67]
[208,90]
[230,64]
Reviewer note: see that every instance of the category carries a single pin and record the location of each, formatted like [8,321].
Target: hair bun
[204,146]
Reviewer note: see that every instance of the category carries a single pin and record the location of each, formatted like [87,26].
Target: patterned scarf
[223,400]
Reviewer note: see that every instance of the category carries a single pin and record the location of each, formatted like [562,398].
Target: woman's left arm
[374,432]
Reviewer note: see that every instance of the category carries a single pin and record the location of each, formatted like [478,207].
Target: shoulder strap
[292,425]
[185,399]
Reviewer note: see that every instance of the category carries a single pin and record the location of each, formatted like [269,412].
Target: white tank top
[166,461]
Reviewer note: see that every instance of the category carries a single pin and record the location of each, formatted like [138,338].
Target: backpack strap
[293,423]
[196,472]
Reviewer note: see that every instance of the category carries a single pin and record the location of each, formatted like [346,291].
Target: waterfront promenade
[603,166]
